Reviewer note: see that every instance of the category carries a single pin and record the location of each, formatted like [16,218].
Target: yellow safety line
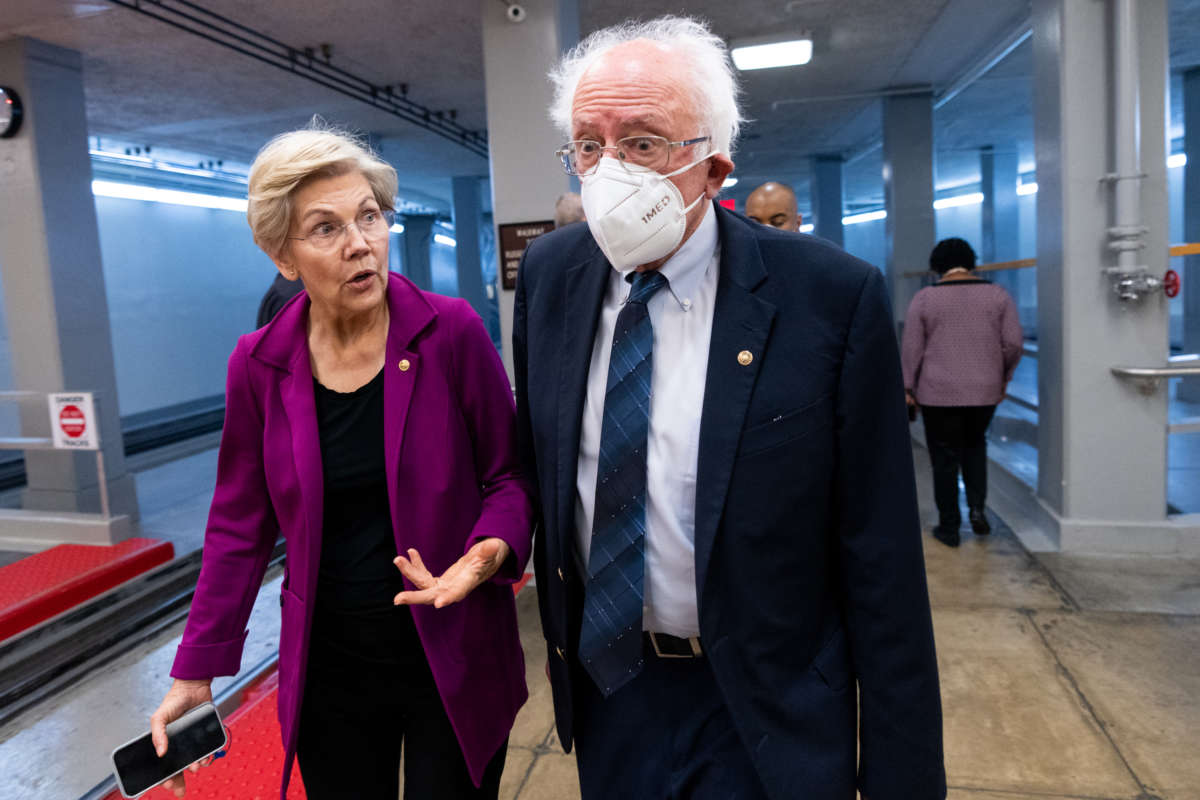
[1189,249]
[1020,263]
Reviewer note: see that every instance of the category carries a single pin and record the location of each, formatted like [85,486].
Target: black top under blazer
[809,568]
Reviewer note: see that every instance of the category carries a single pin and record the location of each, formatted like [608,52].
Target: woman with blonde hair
[373,425]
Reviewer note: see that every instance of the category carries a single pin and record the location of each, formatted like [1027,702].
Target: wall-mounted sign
[73,421]
[514,238]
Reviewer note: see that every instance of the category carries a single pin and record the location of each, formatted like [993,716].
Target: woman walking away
[962,341]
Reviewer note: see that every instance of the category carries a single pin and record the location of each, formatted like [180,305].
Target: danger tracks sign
[73,421]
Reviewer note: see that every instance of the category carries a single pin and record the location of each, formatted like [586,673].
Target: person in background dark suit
[281,290]
[729,569]
[774,204]
[567,209]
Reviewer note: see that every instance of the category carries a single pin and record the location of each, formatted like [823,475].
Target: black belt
[664,645]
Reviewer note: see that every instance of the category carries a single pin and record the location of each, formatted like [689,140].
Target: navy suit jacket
[809,570]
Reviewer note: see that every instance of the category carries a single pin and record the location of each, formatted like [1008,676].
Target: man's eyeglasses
[582,157]
[326,235]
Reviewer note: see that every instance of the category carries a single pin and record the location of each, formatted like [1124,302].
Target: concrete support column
[466,234]
[1000,228]
[1102,453]
[53,279]
[526,178]
[908,192]
[1189,388]
[827,197]
[418,239]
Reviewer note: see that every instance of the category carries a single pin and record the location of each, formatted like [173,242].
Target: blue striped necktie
[610,644]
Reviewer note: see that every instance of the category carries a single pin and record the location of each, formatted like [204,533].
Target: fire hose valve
[1172,283]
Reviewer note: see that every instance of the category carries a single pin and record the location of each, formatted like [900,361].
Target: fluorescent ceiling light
[442,238]
[1177,160]
[729,182]
[1027,188]
[150,194]
[971,199]
[869,216]
[773,54]
[162,166]
[396,228]
[806,227]
[119,157]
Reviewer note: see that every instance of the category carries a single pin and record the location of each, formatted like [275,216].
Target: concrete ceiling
[149,82]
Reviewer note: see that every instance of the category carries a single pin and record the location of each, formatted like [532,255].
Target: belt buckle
[694,641]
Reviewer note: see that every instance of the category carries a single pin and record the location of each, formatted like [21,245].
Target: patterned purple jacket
[453,478]
[962,341]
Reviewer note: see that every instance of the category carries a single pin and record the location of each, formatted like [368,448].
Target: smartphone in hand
[195,735]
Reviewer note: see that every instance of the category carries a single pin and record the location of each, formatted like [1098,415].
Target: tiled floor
[1063,677]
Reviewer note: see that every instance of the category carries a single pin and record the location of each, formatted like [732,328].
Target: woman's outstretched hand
[476,566]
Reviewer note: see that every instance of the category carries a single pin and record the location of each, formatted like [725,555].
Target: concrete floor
[1063,676]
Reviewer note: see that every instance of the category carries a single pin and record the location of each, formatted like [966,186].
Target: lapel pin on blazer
[745,357]
[404,364]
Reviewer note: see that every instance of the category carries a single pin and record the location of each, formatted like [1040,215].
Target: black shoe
[979,523]
[946,535]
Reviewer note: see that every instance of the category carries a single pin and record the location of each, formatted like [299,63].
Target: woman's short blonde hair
[290,160]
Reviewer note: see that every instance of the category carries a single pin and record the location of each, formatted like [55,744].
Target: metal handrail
[1177,367]
[1021,401]
[47,443]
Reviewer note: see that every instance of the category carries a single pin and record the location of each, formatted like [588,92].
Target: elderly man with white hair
[729,566]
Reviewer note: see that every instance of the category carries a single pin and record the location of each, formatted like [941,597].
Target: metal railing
[1180,366]
[1177,367]
[26,443]
[1147,379]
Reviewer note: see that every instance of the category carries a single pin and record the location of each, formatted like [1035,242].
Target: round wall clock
[11,112]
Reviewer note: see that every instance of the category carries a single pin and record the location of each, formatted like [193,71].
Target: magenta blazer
[453,479]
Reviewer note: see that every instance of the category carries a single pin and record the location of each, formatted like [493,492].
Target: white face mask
[636,215]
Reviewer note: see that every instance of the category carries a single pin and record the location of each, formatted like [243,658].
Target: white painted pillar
[54,296]
[467,218]
[826,190]
[908,192]
[1189,388]
[1101,440]
[526,178]
[418,243]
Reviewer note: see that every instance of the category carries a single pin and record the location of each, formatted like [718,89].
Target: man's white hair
[713,86]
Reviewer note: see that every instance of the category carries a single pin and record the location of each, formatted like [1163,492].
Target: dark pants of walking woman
[370,691]
[955,438]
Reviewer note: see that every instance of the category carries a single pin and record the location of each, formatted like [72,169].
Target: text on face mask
[659,206]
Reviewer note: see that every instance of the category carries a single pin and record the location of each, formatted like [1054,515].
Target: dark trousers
[368,693]
[666,735]
[955,438]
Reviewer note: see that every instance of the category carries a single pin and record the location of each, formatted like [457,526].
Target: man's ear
[719,167]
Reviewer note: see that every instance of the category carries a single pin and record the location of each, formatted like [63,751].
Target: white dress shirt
[682,316]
